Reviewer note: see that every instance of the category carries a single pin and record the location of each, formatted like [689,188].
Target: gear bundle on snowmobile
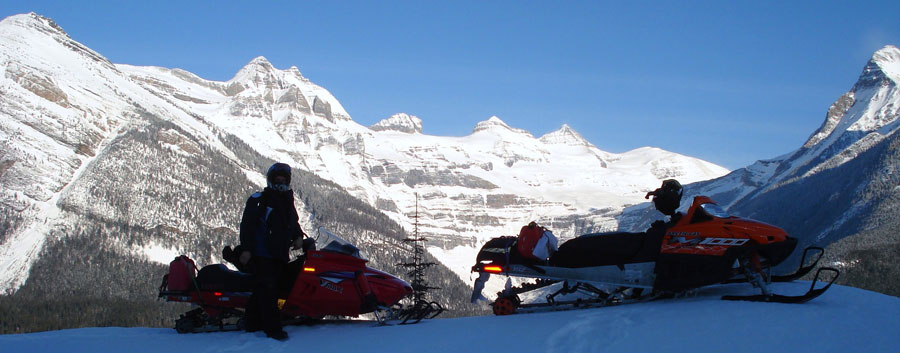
[705,246]
[331,281]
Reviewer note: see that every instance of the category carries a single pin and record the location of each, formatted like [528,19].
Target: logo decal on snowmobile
[685,241]
[331,286]
[709,241]
[724,241]
[690,234]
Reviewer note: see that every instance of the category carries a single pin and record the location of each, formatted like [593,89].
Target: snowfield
[844,319]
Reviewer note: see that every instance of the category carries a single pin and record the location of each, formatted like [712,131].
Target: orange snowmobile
[705,246]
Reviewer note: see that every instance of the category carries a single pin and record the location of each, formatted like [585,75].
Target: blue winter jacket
[270,224]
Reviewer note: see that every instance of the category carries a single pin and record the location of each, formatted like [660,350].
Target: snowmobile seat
[219,278]
[604,249]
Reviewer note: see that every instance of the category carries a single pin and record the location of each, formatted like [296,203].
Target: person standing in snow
[269,226]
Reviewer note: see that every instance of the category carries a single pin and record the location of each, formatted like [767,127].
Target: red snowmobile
[331,281]
[703,247]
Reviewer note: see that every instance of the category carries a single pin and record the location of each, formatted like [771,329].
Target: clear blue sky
[727,81]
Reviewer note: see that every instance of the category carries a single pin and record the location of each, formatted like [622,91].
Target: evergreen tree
[421,306]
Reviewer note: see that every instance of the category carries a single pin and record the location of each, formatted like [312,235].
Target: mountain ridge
[68,104]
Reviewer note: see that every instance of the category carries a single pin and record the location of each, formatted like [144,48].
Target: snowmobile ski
[787,299]
[419,311]
[804,268]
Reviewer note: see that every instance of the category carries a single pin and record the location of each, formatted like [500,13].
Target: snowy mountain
[161,151]
[842,320]
[399,122]
[842,181]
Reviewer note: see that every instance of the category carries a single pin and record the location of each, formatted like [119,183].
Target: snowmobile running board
[511,304]
[777,298]
[196,321]
[633,275]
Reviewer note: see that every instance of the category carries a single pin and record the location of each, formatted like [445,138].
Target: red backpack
[182,272]
[528,239]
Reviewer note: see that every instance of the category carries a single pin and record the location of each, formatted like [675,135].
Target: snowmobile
[331,281]
[703,247]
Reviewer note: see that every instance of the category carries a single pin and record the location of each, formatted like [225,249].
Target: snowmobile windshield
[328,241]
[714,210]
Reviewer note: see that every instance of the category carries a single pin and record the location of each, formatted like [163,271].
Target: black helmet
[279,169]
[667,198]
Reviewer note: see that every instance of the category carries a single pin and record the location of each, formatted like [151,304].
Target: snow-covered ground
[842,320]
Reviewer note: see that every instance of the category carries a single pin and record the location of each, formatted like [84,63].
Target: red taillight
[218,294]
[309,269]
[493,269]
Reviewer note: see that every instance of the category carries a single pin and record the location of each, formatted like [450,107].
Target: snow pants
[262,308]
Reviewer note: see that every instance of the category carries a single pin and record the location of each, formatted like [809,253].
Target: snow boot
[277,334]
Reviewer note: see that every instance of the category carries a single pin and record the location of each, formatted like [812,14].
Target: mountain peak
[258,71]
[259,64]
[401,122]
[882,68]
[494,123]
[32,20]
[294,70]
[27,29]
[566,135]
[888,59]
[260,60]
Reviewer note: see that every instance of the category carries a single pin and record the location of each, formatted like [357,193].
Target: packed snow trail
[844,319]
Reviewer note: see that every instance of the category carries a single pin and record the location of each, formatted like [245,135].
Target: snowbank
[842,320]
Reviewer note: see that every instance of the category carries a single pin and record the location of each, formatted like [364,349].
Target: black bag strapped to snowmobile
[536,243]
[604,249]
[218,277]
[497,251]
